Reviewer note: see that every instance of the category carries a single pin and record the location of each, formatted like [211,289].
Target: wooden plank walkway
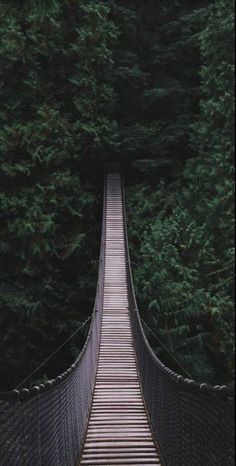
[118,431]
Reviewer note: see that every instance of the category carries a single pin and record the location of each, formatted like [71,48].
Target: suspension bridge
[118,404]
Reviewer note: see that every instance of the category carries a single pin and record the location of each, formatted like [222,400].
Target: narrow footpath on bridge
[119,431]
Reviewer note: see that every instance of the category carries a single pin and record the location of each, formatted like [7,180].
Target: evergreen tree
[29,5]
[184,267]
[157,84]
[55,121]
[150,84]
[210,176]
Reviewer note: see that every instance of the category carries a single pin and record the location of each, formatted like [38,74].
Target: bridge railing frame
[193,423]
[46,424]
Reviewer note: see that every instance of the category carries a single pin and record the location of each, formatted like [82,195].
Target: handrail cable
[54,352]
[192,423]
[167,349]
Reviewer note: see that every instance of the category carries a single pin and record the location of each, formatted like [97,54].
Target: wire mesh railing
[46,425]
[192,423]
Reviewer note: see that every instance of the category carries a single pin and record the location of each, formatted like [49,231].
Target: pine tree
[55,123]
[150,84]
[31,5]
[182,233]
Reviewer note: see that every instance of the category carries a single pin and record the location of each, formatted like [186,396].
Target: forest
[149,85]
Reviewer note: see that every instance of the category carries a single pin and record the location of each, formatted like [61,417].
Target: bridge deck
[118,430]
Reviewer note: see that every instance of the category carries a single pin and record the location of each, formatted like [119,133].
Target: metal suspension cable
[47,424]
[167,350]
[54,353]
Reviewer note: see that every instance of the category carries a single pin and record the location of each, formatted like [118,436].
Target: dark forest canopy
[32,5]
[149,84]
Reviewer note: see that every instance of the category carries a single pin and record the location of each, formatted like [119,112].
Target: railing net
[193,424]
[46,426]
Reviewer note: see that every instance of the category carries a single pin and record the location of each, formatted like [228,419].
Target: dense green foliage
[55,113]
[183,231]
[147,83]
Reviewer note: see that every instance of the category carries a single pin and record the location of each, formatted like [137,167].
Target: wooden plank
[126,462]
[112,455]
